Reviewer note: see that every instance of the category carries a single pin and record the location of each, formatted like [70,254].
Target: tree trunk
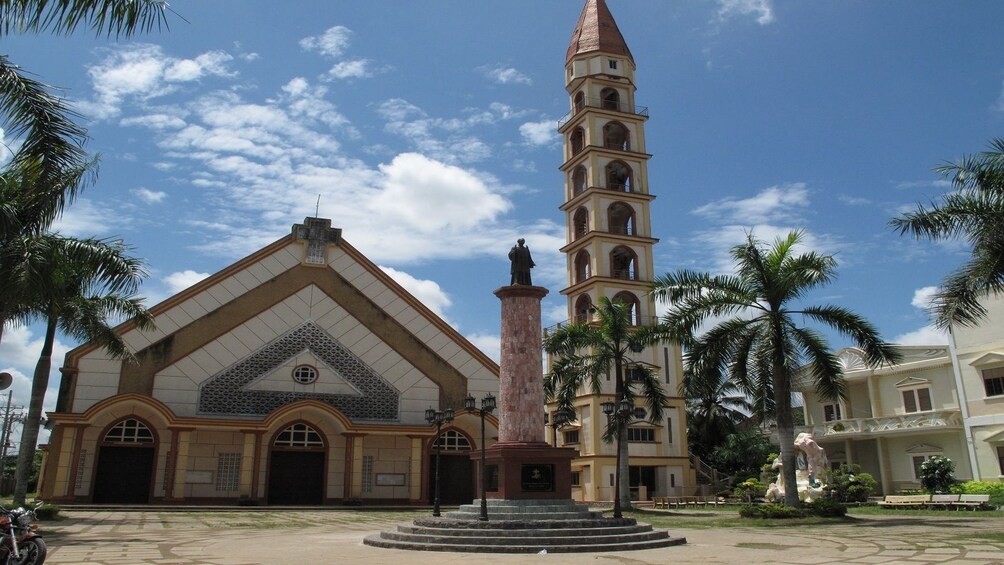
[785,433]
[625,485]
[29,434]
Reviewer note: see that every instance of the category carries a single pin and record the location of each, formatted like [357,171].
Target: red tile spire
[597,31]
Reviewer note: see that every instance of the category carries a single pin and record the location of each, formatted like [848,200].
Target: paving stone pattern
[335,536]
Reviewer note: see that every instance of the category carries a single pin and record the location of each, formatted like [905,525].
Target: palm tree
[586,353]
[760,342]
[77,287]
[715,407]
[974,211]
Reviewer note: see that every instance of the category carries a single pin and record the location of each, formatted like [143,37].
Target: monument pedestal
[522,471]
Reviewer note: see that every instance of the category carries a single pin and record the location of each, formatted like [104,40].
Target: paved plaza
[335,536]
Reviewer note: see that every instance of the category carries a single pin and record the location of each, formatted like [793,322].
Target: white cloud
[502,74]
[358,68]
[539,133]
[762,9]
[776,203]
[181,280]
[714,246]
[149,196]
[1000,101]
[19,353]
[332,43]
[427,292]
[928,335]
[923,297]
[941,183]
[88,219]
[143,72]
[854,200]
[490,344]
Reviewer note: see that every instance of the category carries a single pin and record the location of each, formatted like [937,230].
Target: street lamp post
[487,406]
[438,418]
[619,412]
[560,419]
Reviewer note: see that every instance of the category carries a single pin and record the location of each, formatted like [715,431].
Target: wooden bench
[973,501]
[943,500]
[660,501]
[905,500]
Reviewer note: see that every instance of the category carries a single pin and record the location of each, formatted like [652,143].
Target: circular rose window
[304,374]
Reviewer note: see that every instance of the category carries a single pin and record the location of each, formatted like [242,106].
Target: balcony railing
[876,426]
[623,107]
[640,321]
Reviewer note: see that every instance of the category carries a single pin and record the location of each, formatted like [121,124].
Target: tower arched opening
[620,219]
[581,222]
[619,176]
[611,99]
[630,300]
[579,101]
[624,263]
[578,180]
[578,140]
[616,136]
[583,309]
[582,270]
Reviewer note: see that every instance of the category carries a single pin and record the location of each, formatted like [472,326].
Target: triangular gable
[228,391]
[923,448]
[912,381]
[988,359]
[329,381]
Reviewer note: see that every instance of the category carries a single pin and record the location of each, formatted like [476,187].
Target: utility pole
[9,418]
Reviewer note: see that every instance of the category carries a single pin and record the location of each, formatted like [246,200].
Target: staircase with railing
[709,480]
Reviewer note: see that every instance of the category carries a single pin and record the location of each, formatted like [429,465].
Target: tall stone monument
[521,465]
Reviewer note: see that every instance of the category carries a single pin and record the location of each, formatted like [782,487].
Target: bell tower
[609,242]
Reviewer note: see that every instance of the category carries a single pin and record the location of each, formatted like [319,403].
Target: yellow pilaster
[181,464]
[415,480]
[357,467]
[247,464]
[66,460]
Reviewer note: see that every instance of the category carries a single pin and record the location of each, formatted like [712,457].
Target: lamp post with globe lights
[438,418]
[620,413]
[487,406]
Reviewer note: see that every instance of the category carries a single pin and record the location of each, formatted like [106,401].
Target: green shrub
[849,484]
[826,508]
[47,512]
[749,489]
[770,511]
[937,474]
[993,488]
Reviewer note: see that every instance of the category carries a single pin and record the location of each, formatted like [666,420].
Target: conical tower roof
[597,31]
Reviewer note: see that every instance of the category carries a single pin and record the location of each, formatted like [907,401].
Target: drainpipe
[967,430]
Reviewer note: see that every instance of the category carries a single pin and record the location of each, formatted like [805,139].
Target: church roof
[597,31]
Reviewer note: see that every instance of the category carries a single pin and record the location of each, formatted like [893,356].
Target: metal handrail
[622,107]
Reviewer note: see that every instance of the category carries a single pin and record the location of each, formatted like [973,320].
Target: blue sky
[428,130]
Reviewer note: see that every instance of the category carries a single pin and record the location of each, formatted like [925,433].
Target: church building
[299,375]
[609,253]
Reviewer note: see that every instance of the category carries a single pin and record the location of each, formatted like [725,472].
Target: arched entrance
[126,457]
[456,476]
[296,466]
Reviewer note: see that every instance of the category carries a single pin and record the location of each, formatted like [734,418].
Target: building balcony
[584,318]
[867,427]
[602,104]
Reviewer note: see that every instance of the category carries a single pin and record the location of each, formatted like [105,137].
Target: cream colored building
[940,400]
[298,375]
[607,206]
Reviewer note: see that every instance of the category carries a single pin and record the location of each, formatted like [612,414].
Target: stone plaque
[537,478]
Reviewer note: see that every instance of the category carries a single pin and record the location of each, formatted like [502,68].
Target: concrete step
[581,545]
[526,532]
[541,539]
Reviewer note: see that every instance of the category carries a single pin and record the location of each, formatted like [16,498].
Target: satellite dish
[6,379]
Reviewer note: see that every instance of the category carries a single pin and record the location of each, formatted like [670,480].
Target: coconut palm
[975,211]
[585,355]
[760,342]
[77,287]
[715,406]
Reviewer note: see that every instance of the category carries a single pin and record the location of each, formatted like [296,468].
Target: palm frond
[119,18]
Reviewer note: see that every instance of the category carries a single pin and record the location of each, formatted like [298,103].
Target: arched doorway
[126,457]
[456,470]
[296,466]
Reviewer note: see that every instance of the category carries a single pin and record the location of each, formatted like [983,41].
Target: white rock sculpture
[811,462]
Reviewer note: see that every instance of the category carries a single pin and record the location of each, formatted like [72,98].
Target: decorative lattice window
[298,435]
[80,469]
[228,472]
[130,430]
[367,477]
[452,440]
[304,374]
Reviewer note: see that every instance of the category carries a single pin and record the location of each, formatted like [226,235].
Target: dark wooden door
[124,475]
[296,477]
[456,479]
